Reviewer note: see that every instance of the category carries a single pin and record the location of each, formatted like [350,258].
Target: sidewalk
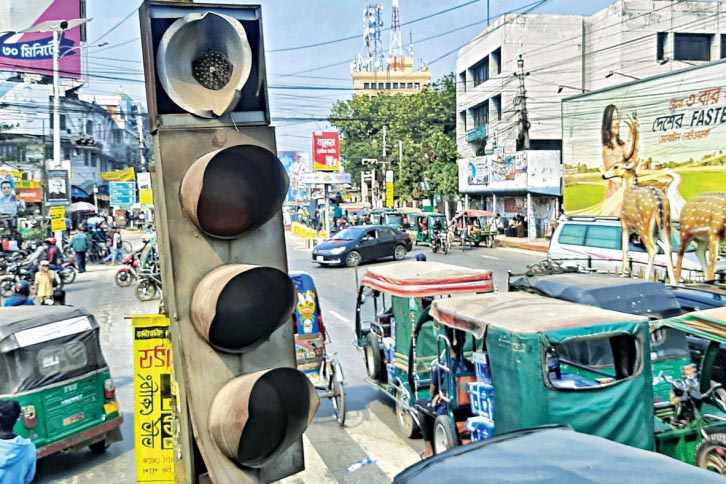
[538,245]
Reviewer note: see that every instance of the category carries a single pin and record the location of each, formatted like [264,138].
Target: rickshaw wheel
[711,453]
[373,356]
[405,421]
[445,436]
[338,399]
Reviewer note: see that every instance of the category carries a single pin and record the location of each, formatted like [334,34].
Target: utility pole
[520,102]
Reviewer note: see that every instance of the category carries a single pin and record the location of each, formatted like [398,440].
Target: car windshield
[349,234]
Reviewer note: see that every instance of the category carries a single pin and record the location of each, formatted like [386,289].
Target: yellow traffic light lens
[237,307]
[257,416]
[230,191]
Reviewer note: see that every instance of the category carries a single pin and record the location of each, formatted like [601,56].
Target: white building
[565,55]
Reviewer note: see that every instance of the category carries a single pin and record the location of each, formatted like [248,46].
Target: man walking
[79,244]
[17,454]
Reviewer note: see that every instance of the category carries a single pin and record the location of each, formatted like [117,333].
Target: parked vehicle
[566,455]
[313,359]
[594,242]
[520,346]
[52,364]
[149,285]
[390,299]
[355,245]
[474,227]
[127,273]
[386,216]
[705,295]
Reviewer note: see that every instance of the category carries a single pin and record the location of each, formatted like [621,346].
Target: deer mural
[645,211]
[703,219]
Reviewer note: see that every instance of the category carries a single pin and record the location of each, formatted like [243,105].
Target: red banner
[29,195]
[326,151]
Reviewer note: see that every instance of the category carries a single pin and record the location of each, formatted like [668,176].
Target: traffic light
[218,191]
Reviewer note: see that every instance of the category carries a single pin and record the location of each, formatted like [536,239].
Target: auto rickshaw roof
[605,291]
[519,312]
[474,213]
[427,278]
[19,318]
[709,324]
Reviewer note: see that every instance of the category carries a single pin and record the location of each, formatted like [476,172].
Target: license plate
[73,419]
[320,258]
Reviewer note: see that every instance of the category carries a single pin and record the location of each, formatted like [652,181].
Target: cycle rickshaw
[323,369]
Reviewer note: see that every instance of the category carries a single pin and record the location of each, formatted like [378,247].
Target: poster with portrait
[296,163]
[672,128]
[58,188]
[8,198]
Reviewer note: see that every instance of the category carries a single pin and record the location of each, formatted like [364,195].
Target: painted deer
[703,219]
[646,211]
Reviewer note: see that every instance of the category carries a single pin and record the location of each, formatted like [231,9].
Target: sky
[304,81]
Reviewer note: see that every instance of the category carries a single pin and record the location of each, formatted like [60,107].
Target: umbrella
[81,207]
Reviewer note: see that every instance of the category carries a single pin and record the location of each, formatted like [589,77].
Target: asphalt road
[371,429]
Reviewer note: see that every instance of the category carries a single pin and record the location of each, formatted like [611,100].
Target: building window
[62,121]
[395,85]
[480,114]
[388,85]
[497,108]
[93,160]
[662,38]
[497,61]
[409,85]
[417,85]
[462,81]
[86,161]
[462,117]
[366,85]
[480,72]
[723,46]
[380,85]
[89,127]
[66,153]
[692,47]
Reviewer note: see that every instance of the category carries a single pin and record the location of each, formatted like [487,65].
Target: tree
[425,122]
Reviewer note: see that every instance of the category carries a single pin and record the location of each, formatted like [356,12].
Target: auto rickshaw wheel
[99,447]
[406,423]
[476,243]
[445,436]
[373,356]
[711,453]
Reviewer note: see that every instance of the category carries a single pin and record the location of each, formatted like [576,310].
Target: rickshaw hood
[21,318]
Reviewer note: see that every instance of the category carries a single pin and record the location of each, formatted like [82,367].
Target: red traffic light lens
[230,191]
[256,417]
[237,307]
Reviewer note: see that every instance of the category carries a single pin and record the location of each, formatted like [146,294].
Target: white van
[594,242]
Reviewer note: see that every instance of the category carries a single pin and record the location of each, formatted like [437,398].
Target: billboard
[33,51]
[534,171]
[58,188]
[9,201]
[673,127]
[296,163]
[326,151]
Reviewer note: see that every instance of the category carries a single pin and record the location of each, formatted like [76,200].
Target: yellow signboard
[58,218]
[145,196]
[389,194]
[27,184]
[153,413]
[127,174]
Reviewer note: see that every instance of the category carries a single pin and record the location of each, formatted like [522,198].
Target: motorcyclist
[21,295]
[53,254]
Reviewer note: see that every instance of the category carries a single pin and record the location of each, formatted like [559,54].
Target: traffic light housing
[218,191]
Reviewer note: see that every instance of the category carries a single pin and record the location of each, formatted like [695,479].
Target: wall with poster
[33,52]
[537,171]
[296,163]
[326,151]
[679,121]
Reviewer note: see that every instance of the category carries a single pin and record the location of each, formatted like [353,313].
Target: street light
[562,86]
[611,73]
[667,60]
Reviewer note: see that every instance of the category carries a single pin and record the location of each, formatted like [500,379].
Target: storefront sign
[326,151]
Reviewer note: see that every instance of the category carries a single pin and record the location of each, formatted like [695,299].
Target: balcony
[476,134]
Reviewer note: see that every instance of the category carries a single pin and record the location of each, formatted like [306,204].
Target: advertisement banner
[322,178]
[535,171]
[672,128]
[296,163]
[326,151]
[28,195]
[153,399]
[146,196]
[33,51]
[127,174]
[58,218]
[58,188]
[10,201]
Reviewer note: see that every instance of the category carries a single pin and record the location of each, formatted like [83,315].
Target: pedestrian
[17,454]
[21,295]
[79,243]
[114,245]
[43,286]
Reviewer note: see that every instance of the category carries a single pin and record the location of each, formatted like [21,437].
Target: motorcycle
[149,285]
[23,271]
[127,273]
[68,271]
[441,243]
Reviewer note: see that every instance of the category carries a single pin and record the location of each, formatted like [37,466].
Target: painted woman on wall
[615,150]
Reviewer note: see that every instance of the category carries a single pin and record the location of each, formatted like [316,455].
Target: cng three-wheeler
[390,302]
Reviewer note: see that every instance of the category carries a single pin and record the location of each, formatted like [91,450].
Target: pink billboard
[33,51]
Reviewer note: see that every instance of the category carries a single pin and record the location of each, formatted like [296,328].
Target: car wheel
[352,259]
[399,252]
[445,436]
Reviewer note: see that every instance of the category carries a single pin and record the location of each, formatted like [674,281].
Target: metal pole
[56,103]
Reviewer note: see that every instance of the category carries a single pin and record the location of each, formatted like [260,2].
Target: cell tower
[395,47]
[372,59]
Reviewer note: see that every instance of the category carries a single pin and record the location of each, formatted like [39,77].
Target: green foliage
[426,124]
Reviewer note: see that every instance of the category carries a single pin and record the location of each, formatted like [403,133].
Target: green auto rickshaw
[51,363]
[427,226]
[386,216]
[474,227]
[523,376]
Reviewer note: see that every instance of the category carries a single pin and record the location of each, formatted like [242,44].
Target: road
[370,430]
